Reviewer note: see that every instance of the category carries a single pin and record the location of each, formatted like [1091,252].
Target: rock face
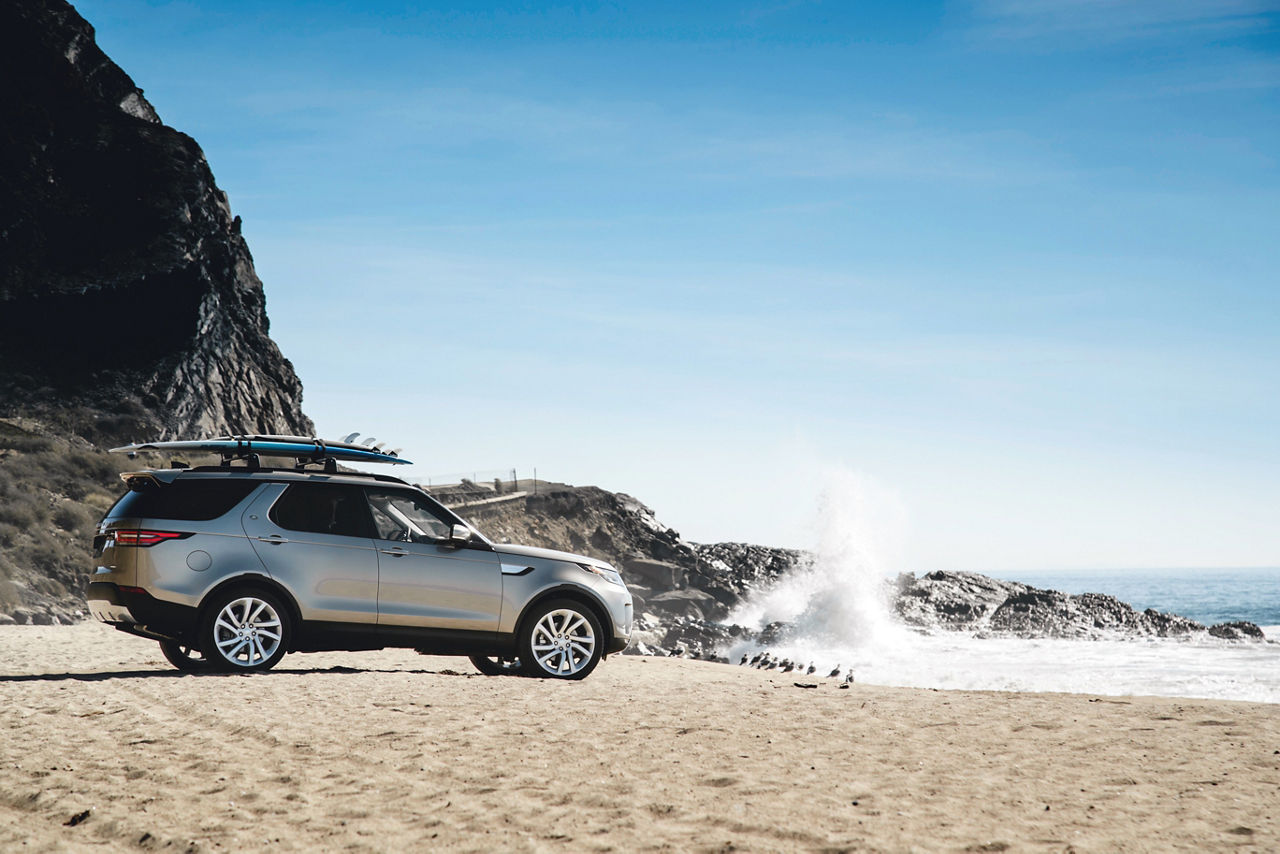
[129,306]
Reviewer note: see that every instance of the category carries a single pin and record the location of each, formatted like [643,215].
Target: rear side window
[189,499]
[320,508]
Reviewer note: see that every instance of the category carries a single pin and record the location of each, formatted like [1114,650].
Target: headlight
[611,575]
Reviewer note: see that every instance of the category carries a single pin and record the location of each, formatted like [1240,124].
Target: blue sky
[1014,261]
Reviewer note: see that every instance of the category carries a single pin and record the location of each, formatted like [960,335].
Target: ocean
[842,619]
[1206,595]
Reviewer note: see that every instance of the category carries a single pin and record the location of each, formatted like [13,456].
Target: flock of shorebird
[768,661]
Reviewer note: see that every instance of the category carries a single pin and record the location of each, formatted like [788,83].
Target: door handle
[396,552]
[274,539]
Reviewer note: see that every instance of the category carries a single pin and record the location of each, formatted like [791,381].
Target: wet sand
[392,751]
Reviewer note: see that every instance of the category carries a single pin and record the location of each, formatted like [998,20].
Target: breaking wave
[839,605]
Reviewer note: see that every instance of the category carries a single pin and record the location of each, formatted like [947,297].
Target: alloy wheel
[563,642]
[247,632]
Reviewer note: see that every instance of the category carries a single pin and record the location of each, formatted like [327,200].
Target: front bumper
[622,615]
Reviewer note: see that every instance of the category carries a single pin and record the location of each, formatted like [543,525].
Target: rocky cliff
[129,305]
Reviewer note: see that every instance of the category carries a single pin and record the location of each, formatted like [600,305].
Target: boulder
[1237,631]
[952,600]
[658,574]
[687,603]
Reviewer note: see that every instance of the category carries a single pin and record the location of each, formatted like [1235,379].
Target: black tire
[245,630]
[552,642]
[188,659]
[496,666]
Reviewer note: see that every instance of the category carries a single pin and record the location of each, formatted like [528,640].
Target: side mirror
[459,536]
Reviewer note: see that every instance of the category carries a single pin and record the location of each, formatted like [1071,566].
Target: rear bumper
[131,608]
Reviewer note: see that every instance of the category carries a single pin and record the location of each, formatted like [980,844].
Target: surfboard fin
[349,438]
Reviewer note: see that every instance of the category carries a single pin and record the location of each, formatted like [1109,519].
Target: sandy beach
[394,751]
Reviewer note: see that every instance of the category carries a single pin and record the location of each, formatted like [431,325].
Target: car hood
[548,554]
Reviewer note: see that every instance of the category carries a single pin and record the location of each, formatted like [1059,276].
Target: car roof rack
[304,450]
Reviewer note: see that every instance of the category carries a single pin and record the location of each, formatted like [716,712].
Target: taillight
[135,537]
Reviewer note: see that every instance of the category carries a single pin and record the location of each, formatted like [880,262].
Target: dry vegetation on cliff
[52,493]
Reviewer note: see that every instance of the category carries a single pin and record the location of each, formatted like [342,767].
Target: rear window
[190,500]
[320,508]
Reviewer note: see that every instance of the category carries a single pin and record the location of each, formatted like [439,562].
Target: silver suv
[231,567]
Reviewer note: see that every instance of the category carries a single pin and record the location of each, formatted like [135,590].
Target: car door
[314,538]
[423,580]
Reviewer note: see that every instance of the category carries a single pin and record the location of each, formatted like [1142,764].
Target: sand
[392,751]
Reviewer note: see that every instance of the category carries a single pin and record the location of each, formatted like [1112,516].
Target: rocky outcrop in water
[129,306]
[1239,630]
[968,601]
[951,600]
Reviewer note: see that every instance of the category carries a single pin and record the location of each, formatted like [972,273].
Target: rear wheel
[188,659]
[246,630]
[561,639]
[496,666]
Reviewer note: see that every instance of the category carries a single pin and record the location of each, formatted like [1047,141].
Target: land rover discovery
[231,567]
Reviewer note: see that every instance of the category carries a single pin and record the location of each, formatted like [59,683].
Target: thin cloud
[872,152]
[1252,75]
[1092,22]
[714,146]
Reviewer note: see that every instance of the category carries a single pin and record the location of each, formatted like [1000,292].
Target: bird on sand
[834,674]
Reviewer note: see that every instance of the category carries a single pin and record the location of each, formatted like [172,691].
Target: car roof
[272,475]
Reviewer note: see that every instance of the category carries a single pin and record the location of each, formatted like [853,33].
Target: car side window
[321,508]
[402,517]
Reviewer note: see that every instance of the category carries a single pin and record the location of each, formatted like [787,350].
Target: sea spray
[839,597]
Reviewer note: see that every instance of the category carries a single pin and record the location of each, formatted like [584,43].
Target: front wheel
[496,666]
[188,659]
[561,639]
[245,630]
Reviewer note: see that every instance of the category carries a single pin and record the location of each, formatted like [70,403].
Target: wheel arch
[572,592]
[254,581]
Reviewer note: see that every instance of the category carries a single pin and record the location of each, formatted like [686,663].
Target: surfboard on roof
[297,447]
